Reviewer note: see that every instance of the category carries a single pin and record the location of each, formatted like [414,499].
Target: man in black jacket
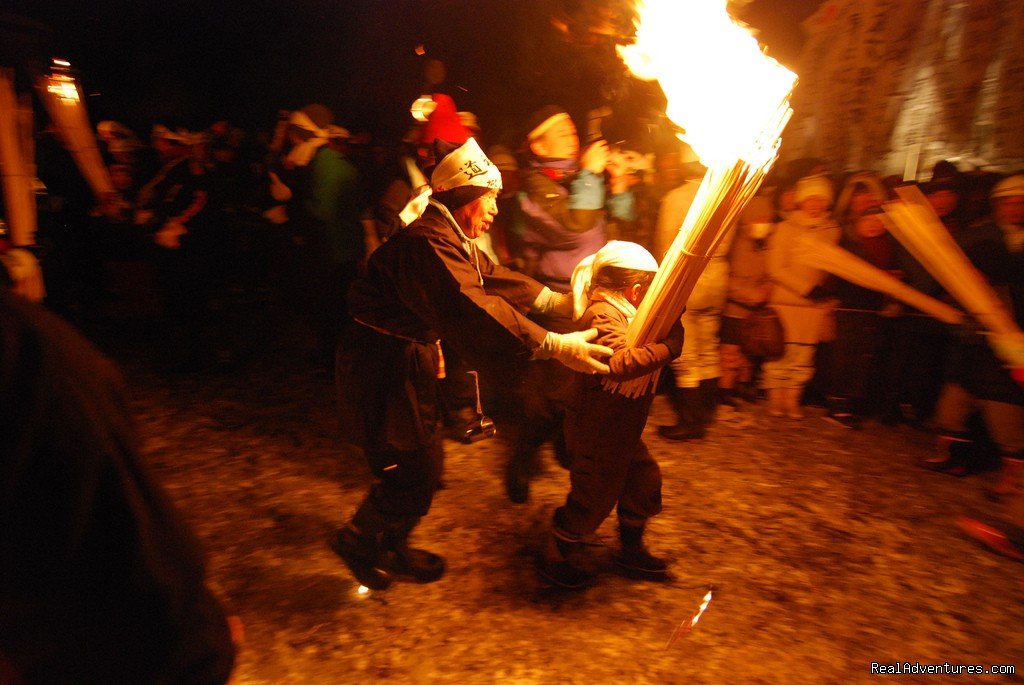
[427,283]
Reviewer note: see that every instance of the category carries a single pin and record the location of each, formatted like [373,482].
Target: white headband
[543,126]
[467,165]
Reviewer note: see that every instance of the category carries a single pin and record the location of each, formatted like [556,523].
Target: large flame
[721,88]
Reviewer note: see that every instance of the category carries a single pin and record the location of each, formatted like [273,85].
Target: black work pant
[406,481]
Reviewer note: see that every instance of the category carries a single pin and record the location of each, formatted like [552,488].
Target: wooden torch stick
[17,171]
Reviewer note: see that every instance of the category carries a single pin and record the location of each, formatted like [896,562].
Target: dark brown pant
[630,478]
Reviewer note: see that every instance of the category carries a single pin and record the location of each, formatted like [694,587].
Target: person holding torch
[610,466]
[430,282]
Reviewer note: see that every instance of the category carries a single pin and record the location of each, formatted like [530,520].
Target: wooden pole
[17,170]
[63,101]
[915,224]
[828,257]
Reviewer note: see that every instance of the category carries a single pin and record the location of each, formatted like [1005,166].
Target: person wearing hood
[326,202]
[748,290]
[610,466]
[427,283]
[799,294]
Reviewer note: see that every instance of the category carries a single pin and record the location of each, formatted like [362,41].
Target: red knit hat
[444,123]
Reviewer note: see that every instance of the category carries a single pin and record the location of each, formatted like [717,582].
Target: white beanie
[811,186]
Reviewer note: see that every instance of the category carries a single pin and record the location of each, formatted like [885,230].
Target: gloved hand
[169,235]
[674,339]
[551,303]
[25,274]
[575,351]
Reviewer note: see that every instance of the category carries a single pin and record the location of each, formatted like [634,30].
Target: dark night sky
[188,63]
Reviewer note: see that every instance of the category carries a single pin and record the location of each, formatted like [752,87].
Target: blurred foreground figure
[976,379]
[610,466]
[799,295]
[100,581]
[562,206]
[429,282]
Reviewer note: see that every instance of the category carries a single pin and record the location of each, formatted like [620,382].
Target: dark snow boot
[634,560]
[517,475]
[710,396]
[407,562]
[689,408]
[952,455]
[555,565]
[362,555]
[1009,478]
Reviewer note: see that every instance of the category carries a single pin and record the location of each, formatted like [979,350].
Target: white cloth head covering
[467,165]
[620,253]
[811,186]
[301,154]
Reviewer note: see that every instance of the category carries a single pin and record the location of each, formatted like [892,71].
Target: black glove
[674,340]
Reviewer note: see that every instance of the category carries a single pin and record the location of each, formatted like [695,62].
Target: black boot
[729,397]
[517,474]
[634,560]
[360,546]
[709,396]
[953,454]
[555,564]
[407,562]
[689,409]
[840,412]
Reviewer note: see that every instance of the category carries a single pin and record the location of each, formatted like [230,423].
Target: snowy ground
[828,550]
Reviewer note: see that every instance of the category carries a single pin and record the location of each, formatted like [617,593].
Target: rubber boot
[517,474]
[677,402]
[1009,478]
[952,450]
[556,562]
[634,560]
[840,412]
[747,391]
[710,397]
[729,397]
[360,546]
[689,408]
[409,563]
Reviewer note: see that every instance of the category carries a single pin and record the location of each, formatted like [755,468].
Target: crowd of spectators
[203,220]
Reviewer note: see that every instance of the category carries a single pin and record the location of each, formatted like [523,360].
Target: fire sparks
[720,87]
[686,626]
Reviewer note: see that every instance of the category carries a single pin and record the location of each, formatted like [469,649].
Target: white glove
[575,351]
[26,276]
[169,235]
[551,303]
